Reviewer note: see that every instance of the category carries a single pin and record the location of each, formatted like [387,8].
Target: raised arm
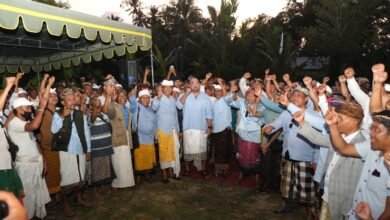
[171,72]
[344,88]
[18,77]
[146,73]
[268,90]
[357,93]
[42,85]
[312,93]
[206,78]
[180,102]
[286,78]
[309,132]
[9,83]
[379,78]
[242,83]
[339,143]
[43,99]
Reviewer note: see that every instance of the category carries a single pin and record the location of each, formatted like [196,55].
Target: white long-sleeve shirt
[364,101]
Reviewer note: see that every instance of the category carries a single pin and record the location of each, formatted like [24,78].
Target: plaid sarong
[298,175]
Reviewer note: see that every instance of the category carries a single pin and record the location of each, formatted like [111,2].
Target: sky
[246,8]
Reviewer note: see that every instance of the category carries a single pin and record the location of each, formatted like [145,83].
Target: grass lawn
[184,199]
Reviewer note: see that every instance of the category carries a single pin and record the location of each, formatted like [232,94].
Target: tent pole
[38,75]
[151,65]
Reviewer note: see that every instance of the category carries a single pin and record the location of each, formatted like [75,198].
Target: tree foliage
[57,3]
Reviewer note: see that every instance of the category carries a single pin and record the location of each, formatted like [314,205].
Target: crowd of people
[324,147]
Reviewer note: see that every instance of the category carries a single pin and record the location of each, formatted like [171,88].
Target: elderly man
[221,138]
[167,127]
[74,154]
[342,173]
[197,125]
[372,186]
[299,156]
[29,161]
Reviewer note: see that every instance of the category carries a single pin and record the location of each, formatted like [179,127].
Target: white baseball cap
[21,102]
[144,92]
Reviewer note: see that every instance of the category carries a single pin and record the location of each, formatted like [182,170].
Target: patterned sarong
[53,176]
[102,171]
[298,175]
[249,156]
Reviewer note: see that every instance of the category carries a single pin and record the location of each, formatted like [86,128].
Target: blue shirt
[298,147]
[222,115]
[196,111]
[146,127]
[372,187]
[166,114]
[126,116]
[249,127]
[74,146]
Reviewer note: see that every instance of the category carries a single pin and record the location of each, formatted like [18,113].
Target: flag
[281,44]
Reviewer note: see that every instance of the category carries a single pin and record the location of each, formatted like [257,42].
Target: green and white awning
[39,37]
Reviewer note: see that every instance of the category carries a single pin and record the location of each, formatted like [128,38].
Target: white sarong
[30,170]
[123,167]
[176,167]
[195,141]
[71,173]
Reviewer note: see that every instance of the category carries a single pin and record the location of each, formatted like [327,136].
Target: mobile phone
[3,210]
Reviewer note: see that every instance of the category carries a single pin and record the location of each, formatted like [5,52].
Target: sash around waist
[28,159]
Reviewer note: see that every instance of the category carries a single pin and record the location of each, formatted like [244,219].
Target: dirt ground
[181,199]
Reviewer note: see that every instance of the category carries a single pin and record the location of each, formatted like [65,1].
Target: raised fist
[325,80]
[349,72]
[307,81]
[247,75]
[380,77]
[286,77]
[209,75]
[10,81]
[342,78]
[331,117]
[378,68]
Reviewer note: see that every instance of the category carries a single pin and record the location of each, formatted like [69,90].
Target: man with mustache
[73,158]
[197,125]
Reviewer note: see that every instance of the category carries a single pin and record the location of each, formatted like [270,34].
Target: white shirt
[364,101]
[25,140]
[333,163]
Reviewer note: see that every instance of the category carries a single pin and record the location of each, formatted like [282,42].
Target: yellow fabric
[166,146]
[145,157]
[325,213]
